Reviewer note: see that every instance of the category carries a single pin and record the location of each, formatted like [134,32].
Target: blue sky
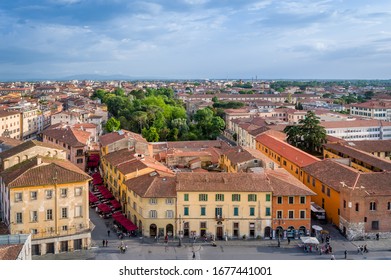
[195,39]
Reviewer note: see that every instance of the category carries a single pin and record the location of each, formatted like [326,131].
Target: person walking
[346,254]
[289,240]
[332,257]
[108,233]
[194,256]
[103,243]
[107,242]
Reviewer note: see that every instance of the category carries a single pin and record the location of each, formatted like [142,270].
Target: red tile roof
[287,151]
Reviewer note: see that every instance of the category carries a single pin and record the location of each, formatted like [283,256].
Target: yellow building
[238,159]
[48,198]
[223,205]
[151,202]
[11,124]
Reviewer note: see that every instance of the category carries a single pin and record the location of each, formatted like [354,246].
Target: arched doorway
[268,232]
[302,231]
[279,232]
[169,230]
[152,230]
[290,232]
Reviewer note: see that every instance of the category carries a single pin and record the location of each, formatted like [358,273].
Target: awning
[123,221]
[115,204]
[97,181]
[105,192]
[309,240]
[92,198]
[104,208]
[96,175]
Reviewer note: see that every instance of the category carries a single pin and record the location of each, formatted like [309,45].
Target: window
[34,231]
[33,195]
[169,214]
[152,201]
[49,194]
[344,204]
[236,211]
[375,224]
[302,199]
[219,212]
[236,197]
[64,213]
[203,197]
[357,207]
[79,153]
[19,218]
[64,192]
[186,211]
[308,179]
[49,214]
[18,197]
[291,200]
[268,197]
[252,197]
[33,216]
[328,192]
[267,213]
[186,197]
[279,200]
[78,191]
[252,211]
[372,206]
[153,214]
[302,214]
[169,201]
[290,214]
[323,188]
[64,228]
[219,197]
[284,162]
[313,182]
[279,214]
[79,160]
[203,210]
[78,211]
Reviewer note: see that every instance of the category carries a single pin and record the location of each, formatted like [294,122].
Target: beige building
[223,205]
[10,124]
[48,198]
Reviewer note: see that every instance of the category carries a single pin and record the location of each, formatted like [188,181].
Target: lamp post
[180,231]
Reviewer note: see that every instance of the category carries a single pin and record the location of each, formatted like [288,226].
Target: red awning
[123,221]
[97,181]
[115,204]
[96,175]
[92,163]
[104,208]
[105,192]
[92,197]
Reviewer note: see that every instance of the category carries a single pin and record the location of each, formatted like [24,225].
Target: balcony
[219,218]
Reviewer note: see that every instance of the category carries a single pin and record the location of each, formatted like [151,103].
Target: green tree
[113,124]
[308,134]
[150,134]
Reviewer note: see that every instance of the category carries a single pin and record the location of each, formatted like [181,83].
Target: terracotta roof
[113,137]
[40,171]
[354,123]
[214,182]
[370,146]
[71,136]
[238,155]
[285,184]
[10,251]
[287,151]
[154,184]
[332,173]
[4,113]
[120,156]
[10,141]
[25,146]
[196,144]
[383,164]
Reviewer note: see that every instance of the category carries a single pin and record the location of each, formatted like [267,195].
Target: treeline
[158,116]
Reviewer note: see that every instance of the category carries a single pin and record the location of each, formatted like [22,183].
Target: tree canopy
[308,135]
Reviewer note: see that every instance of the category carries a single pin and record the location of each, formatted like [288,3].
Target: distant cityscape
[189,158]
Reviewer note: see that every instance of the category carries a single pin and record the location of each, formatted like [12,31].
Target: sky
[196,39]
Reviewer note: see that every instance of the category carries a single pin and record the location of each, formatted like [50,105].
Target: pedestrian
[322,239]
[107,242]
[332,257]
[365,248]
[166,239]
[346,254]
[103,243]
[108,233]
[289,240]
[194,255]
[377,236]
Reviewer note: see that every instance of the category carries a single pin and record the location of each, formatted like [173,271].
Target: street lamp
[180,231]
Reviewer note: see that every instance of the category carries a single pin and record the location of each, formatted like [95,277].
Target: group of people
[362,249]
[105,242]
